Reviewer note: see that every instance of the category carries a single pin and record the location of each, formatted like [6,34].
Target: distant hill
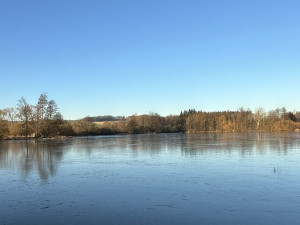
[105,118]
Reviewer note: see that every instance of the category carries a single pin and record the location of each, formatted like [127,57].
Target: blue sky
[126,57]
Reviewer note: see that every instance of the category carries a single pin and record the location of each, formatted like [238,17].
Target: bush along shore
[44,121]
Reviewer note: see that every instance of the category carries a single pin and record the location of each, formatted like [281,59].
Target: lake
[250,178]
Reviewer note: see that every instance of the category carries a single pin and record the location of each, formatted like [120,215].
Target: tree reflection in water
[30,156]
[243,143]
[44,156]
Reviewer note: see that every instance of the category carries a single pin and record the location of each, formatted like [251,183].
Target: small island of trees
[44,120]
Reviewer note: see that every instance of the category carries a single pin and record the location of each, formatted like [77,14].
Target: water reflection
[44,157]
[243,143]
[193,144]
[31,156]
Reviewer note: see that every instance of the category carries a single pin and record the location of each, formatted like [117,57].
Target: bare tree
[10,114]
[52,120]
[41,108]
[25,114]
[51,110]
[3,124]
[42,105]
[259,116]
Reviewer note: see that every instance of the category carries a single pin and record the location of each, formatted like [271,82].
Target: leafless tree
[40,112]
[9,114]
[259,117]
[25,114]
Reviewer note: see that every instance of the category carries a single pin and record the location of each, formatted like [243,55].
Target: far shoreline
[62,138]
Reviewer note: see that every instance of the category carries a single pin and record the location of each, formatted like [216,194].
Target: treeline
[151,123]
[44,120]
[242,121]
[192,121]
[40,120]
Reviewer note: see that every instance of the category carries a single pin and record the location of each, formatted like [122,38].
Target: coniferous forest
[43,120]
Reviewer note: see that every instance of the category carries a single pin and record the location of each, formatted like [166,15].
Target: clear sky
[125,57]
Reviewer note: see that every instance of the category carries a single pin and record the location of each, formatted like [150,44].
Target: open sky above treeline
[127,57]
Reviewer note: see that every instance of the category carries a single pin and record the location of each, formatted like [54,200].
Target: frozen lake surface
[251,178]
